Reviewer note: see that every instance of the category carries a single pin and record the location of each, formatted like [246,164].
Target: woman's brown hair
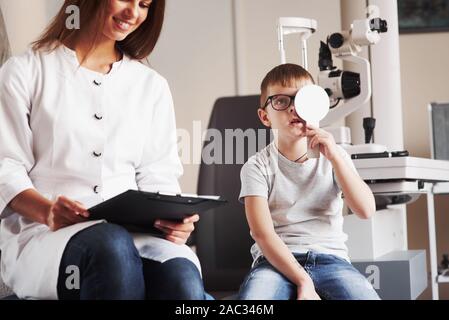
[137,45]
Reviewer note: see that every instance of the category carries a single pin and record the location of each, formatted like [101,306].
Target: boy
[294,207]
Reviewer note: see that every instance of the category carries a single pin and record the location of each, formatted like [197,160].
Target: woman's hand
[65,212]
[324,139]
[306,290]
[177,232]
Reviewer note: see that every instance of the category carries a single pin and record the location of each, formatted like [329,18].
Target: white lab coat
[67,130]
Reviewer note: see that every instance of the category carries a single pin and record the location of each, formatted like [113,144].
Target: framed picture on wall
[417,16]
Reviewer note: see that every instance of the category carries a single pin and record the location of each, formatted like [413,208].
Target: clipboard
[138,210]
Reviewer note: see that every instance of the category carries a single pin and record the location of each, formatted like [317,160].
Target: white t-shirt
[304,199]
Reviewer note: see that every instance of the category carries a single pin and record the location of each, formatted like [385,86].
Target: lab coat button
[97,154]
[97,189]
[98,116]
[97,82]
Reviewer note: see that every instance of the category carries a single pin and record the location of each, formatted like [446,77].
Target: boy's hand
[306,290]
[177,232]
[324,139]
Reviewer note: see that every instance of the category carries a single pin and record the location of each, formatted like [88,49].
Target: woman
[82,120]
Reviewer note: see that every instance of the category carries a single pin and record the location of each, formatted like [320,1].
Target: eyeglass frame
[270,100]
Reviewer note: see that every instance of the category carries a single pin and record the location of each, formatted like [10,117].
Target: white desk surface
[410,168]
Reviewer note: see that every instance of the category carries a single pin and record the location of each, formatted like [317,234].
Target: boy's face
[286,123]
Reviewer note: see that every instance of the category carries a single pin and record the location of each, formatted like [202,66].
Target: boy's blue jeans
[334,279]
[110,268]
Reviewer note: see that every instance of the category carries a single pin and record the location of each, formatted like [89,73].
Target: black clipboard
[138,210]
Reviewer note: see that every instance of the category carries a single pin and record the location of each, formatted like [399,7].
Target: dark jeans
[101,262]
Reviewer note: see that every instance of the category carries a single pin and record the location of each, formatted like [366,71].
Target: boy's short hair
[284,75]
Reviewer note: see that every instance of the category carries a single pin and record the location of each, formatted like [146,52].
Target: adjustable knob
[336,40]
[368,125]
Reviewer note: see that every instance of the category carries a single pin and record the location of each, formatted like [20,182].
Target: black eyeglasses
[279,102]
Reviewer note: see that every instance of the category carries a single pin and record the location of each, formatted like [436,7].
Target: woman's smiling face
[124,17]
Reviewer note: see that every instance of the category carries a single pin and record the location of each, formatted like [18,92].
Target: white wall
[17,13]
[52,7]
[257,21]
[425,78]
[195,53]
[25,20]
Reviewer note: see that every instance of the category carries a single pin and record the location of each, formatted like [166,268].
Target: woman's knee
[104,248]
[175,279]
[186,278]
[107,242]
[109,264]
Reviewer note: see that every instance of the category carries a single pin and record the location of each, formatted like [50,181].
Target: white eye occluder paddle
[312,105]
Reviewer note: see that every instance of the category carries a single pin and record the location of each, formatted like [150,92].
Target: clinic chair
[222,235]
